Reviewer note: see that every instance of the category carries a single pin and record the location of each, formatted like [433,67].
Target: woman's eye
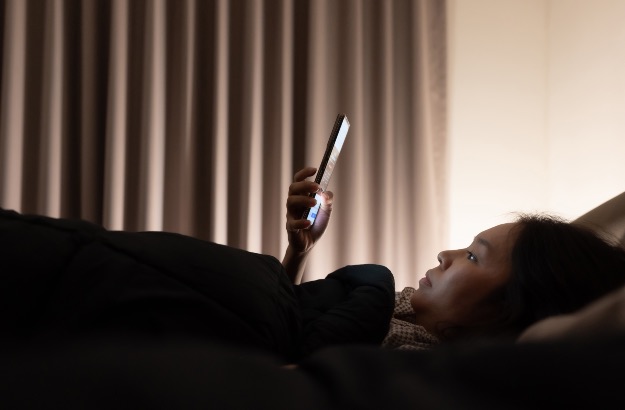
[471,256]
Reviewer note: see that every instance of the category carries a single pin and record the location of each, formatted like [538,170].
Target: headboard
[609,217]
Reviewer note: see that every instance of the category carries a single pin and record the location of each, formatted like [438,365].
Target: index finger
[304,173]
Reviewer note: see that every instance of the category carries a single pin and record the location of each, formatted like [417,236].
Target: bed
[100,319]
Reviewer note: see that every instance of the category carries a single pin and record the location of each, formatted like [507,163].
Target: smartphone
[324,172]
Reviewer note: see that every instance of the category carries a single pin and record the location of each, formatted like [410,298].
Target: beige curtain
[192,116]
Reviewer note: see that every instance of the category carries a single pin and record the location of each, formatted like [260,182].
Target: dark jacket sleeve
[352,305]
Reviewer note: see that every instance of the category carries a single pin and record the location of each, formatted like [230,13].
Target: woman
[510,277]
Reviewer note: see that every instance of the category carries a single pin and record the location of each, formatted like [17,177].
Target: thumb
[327,201]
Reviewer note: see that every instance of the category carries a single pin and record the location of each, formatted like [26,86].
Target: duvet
[65,278]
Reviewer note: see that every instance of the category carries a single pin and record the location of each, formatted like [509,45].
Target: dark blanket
[139,374]
[63,277]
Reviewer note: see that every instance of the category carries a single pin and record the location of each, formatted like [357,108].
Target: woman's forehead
[496,237]
[502,229]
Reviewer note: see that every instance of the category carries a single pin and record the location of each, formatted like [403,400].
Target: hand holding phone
[331,155]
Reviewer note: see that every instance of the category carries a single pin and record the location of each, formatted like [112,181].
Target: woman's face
[465,288]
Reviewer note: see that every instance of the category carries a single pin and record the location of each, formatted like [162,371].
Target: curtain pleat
[90,123]
[116,118]
[153,118]
[192,116]
[179,162]
[12,109]
[218,222]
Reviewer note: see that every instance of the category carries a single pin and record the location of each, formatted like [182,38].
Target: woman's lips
[425,281]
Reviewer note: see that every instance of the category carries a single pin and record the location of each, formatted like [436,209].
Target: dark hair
[557,267]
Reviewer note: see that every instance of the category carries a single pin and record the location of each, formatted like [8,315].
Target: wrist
[294,263]
[296,253]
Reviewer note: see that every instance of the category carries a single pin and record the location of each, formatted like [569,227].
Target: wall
[537,109]
[586,104]
[498,100]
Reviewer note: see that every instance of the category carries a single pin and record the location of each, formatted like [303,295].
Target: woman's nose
[443,259]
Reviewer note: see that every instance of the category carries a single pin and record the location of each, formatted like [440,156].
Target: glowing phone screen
[329,161]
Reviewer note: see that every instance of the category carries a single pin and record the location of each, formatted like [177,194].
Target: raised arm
[303,237]
[603,318]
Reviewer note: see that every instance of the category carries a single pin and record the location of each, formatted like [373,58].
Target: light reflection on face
[463,290]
